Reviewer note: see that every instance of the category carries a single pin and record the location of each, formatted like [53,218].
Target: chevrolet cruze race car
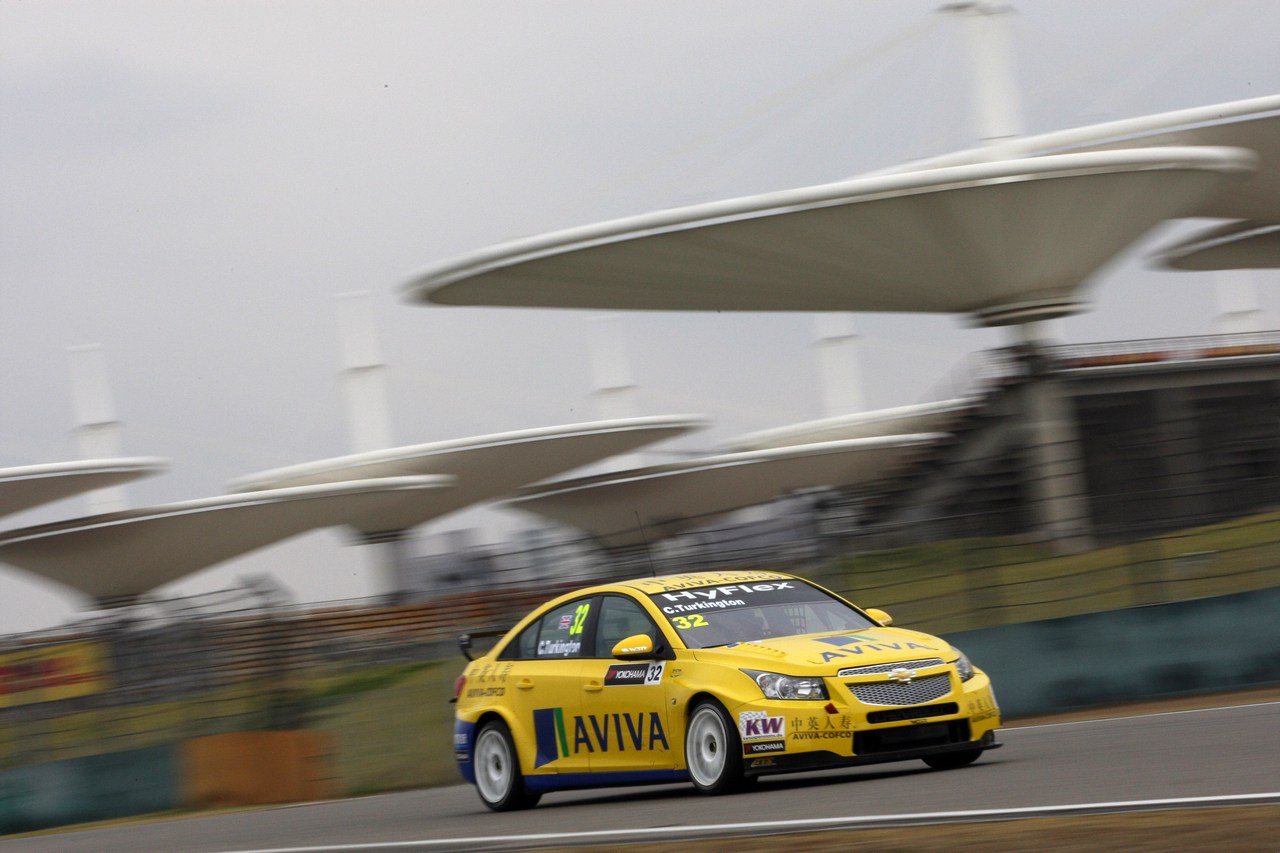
[716,678]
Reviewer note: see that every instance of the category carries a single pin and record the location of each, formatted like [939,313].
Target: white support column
[97,432]
[1238,308]
[364,388]
[392,554]
[364,379]
[1058,488]
[613,392]
[1038,333]
[839,366]
[997,109]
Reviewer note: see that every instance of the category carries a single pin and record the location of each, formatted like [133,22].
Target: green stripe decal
[564,741]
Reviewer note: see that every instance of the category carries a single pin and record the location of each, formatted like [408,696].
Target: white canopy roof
[1004,241]
[33,485]
[485,467]
[1236,245]
[901,420]
[1250,242]
[648,504]
[1253,124]
[120,555]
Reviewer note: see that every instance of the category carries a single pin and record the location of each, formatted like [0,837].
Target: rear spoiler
[464,642]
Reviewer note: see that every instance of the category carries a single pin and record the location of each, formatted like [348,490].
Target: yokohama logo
[765,746]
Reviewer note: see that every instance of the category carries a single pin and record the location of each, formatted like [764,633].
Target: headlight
[963,668]
[776,686]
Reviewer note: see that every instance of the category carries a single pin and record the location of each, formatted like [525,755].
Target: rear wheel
[712,750]
[953,760]
[498,778]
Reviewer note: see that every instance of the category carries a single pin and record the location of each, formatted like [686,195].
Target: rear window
[710,616]
[559,633]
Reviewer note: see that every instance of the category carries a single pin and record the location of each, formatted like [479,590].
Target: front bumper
[780,737]
[820,759]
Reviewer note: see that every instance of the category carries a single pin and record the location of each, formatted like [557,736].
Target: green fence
[1228,642]
[965,584]
[92,788]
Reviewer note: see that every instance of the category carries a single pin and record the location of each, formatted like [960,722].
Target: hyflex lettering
[731,591]
[595,733]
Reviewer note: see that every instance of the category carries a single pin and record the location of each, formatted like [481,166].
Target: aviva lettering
[848,651]
[595,733]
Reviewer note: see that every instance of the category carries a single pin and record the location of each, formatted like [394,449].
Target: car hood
[823,654]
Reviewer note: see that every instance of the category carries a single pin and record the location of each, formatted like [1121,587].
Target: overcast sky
[189,184]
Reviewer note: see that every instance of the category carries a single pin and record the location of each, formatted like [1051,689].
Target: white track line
[1121,718]
[672,833]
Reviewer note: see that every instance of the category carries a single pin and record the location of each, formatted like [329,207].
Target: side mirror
[635,647]
[880,616]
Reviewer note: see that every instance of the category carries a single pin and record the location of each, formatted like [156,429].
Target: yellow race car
[713,677]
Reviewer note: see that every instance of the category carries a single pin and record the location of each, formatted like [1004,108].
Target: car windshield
[734,613]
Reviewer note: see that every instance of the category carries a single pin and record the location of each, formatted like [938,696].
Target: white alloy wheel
[497,770]
[712,750]
[495,765]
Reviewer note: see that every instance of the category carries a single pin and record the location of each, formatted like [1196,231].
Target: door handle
[593,686]
[525,684]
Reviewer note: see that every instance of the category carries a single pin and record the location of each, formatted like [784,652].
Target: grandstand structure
[1079,446]
[1152,436]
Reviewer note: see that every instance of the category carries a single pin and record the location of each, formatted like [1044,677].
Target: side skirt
[566,781]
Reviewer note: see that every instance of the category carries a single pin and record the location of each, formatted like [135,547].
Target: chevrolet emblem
[902,675]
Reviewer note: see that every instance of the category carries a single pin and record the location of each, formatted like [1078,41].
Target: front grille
[877,668]
[910,737]
[917,713]
[893,693]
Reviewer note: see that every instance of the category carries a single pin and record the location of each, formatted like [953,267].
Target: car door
[624,721]
[543,669]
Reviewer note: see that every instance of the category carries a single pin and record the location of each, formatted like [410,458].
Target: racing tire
[497,768]
[953,760]
[713,750]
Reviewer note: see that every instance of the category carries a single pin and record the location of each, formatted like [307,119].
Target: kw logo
[595,733]
[758,724]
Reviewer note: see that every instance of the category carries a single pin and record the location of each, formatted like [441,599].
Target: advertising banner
[61,671]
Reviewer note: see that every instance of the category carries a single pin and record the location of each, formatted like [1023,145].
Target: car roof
[645,586]
[690,580]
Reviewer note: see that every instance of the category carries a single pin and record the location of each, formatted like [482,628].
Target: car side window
[621,618]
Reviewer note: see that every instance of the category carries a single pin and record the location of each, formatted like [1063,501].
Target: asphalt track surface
[1186,754]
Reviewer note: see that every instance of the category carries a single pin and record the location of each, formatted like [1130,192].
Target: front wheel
[713,751]
[953,760]
[497,768]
